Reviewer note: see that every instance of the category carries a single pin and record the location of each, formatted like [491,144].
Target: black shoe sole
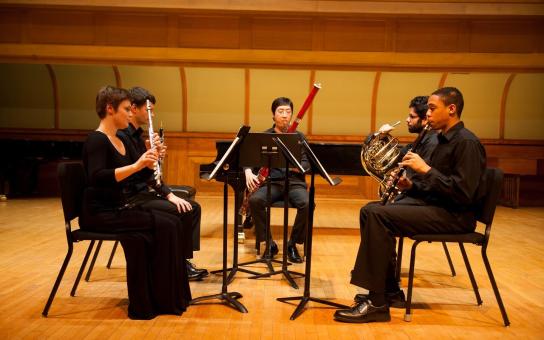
[374,317]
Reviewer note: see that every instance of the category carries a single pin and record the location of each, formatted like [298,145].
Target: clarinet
[263,172]
[157,174]
[386,196]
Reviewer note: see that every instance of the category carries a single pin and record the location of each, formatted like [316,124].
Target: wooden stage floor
[32,247]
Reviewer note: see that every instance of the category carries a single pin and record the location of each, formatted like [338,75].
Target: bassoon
[264,171]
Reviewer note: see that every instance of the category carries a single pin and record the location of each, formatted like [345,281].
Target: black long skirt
[154,251]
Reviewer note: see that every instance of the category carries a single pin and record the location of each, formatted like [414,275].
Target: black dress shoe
[193,273]
[363,312]
[292,254]
[394,299]
[273,249]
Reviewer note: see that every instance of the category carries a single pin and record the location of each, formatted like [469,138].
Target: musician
[144,190]
[439,199]
[282,109]
[151,238]
[416,120]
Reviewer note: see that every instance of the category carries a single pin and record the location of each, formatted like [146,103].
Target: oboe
[157,174]
[386,196]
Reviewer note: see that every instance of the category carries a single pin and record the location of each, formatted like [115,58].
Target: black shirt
[277,173]
[457,166]
[100,159]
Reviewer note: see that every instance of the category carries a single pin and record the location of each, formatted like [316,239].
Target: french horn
[379,156]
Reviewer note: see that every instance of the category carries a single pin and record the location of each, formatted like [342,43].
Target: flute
[157,174]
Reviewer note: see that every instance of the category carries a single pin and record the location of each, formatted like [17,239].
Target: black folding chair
[485,214]
[72,183]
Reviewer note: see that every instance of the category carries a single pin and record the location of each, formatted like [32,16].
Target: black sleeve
[461,184]
[95,157]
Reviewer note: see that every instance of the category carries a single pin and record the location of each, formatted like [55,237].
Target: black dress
[156,276]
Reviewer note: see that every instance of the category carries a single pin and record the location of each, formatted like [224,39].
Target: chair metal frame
[485,215]
[72,183]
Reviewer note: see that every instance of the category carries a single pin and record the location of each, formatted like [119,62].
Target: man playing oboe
[439,198]
[160,197]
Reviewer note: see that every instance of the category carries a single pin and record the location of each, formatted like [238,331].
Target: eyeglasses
[283,111]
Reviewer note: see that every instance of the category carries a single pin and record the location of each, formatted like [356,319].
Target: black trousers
[190,220]
[298,197]
[375,264]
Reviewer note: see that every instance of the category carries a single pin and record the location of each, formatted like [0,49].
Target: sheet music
[321,168]
[232,145]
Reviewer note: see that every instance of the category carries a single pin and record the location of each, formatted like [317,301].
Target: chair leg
[495,288]
[91,266]
[83,264]
[449,258]
[470,274]
[407,314]
[112,253]
[399,258]
[58,280]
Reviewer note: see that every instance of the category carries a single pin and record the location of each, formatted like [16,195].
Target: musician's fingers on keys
[404,183]
[415,162]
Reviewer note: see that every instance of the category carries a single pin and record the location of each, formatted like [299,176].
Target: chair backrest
[72,183]
[493,186]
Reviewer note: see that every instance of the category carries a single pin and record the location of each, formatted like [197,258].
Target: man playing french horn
[439,198]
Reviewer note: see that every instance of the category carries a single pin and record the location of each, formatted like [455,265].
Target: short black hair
[139,96]
[280,101]
[419,104]
[109,95]
[451,95]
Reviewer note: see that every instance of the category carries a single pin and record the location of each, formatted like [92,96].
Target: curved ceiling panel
[524,109]
[215,99]
[482,93]
[343,105]
[77,87]
[27,97]
[266,85]
[396,90]
[165,84]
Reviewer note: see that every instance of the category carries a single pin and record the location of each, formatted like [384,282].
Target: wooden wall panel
[209,31]
[281,33]
[62,27]
[354,35]
[496,36]
[133,29]
[11,25]
[427,36]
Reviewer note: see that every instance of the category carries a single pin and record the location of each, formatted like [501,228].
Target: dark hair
[451,95]
[419,104]
[139,95]
[280,101]
[109,95]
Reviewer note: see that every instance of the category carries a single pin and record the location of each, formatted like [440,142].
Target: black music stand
[262,149]
[228,298]
[305,298]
